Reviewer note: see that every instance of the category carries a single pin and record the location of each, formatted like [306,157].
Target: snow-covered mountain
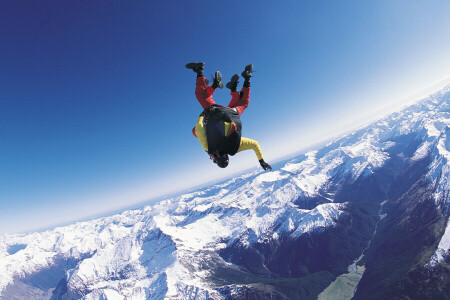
[371,206]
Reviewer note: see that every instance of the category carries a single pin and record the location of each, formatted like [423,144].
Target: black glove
[265,165]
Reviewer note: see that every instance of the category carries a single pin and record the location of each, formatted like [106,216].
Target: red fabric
[240,103]
[204,93]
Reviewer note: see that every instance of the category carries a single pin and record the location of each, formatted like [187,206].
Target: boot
[196,67]
[217,81]
[232,84]
[247,73]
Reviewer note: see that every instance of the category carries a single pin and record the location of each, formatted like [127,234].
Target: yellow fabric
[200,131]
[246,143]
[226,128]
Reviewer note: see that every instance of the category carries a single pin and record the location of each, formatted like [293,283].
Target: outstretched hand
[265,165]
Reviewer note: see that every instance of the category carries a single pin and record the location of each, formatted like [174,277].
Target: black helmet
[222,161]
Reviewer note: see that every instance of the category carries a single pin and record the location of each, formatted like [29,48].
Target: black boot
[217,81]
[196,67]
[247,74]
[232,84]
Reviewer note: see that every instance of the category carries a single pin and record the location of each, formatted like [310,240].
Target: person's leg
[203,92]
[243,100]
[232,85]
[234,99]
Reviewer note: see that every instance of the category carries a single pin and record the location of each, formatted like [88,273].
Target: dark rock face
[405,241]
[282,288]
[424,283]
[407,238]
[301,268]
[331,250]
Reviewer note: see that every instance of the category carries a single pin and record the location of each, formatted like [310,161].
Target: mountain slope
[377,198]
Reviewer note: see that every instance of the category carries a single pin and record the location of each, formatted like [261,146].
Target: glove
[265,165]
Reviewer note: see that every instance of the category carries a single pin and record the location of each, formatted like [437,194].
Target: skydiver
[219,128]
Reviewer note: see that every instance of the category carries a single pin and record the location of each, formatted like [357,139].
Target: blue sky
[96,107]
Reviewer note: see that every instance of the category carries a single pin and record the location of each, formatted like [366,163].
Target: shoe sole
[218,79]
[193,66]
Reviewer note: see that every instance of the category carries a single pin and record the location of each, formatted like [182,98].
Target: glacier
[180,248]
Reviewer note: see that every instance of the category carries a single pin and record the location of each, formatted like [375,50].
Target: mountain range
[364,217]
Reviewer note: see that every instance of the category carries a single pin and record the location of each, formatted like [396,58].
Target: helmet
[222,160]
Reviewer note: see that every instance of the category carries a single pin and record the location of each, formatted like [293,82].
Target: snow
[422,151]
[271,177]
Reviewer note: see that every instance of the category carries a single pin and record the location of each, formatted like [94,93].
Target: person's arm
[247,144]
[200,133]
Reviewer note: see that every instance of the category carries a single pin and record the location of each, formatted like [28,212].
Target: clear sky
[96,106]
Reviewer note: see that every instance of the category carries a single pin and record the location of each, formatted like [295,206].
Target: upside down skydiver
[219,128]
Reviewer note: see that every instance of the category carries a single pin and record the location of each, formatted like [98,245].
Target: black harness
[219,140]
